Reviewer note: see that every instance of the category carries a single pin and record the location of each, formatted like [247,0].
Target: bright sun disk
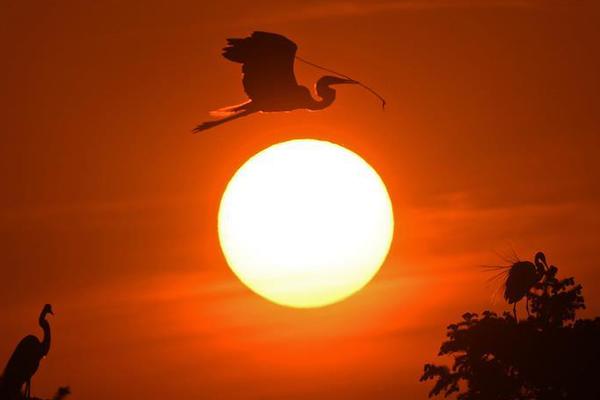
[305,223]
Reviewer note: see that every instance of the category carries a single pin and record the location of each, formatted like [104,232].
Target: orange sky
[109,204]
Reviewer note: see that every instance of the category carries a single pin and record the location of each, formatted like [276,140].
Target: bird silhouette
[520,277]
[25,360]
[268,77]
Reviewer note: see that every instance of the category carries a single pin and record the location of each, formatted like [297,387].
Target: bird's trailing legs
[527,306]
[28,389]
[209,124]
[515,311]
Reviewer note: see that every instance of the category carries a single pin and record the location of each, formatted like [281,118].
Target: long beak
[334,80]
[351,81]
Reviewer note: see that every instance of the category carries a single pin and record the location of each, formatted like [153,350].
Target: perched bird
[521,277]
[25,360]
[268,77]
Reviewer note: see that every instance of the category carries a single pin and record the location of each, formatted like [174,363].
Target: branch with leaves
[551,355]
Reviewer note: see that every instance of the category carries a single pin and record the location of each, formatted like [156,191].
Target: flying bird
[268,78]
[25,360]
[521,277]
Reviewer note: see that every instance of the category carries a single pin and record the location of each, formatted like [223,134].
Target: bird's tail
[227,111]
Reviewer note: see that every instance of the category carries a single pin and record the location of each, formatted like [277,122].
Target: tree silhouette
[549,356]
[60,394]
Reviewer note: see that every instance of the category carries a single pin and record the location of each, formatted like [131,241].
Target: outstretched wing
[267,63]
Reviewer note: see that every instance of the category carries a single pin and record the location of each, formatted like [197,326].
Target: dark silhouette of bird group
[268,77]
[25,361]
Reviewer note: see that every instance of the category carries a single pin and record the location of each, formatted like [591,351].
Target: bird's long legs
[527,306]
[515,311]
[209,124]
[28,389]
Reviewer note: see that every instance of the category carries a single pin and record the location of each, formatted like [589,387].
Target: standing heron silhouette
[268,77]
[521,277]
[25,361]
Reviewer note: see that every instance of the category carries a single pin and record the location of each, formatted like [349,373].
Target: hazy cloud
[353,8]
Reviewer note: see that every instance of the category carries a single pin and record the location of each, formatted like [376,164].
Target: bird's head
[47,310]
[540,263]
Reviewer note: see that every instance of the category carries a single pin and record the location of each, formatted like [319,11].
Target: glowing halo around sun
[305,223]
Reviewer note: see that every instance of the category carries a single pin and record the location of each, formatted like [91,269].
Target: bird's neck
[326,94]
[46,328]
[540,269]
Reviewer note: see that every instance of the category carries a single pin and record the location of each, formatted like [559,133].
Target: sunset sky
[109,204]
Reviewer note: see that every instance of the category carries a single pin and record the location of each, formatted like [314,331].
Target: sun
[305,223]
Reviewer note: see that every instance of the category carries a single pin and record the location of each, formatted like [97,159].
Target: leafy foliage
[551,355]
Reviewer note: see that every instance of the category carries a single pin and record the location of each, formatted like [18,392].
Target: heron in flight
[268,77]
